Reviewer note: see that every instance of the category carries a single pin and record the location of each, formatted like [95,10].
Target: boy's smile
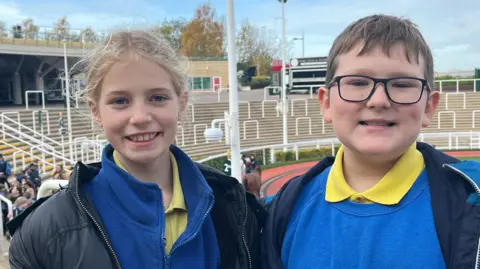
[377,127]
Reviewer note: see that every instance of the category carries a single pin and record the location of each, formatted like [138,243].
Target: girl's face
[58,169]
[139,109]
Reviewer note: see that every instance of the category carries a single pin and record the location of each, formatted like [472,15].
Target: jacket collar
[198,195]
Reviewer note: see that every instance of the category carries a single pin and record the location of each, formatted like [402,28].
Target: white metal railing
[311,90]
[42,93]
[183,134]
[269,101]
[35,133]
[299,100]
[248,106]
[456,93]
[265,91]
[451,137]
[245,128]
[39,147]
[15,159]
[10,213]
[32,157]
[457,84]
[474,140]
[89,149]
[192,111]
[19,125]
[447,112]
[332,142]
[34,120]
[195,132]
[474,113]
[297,120]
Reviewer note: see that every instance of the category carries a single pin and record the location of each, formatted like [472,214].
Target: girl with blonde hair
[147,204]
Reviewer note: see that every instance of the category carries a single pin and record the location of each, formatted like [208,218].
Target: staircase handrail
[24,127]
[53,152]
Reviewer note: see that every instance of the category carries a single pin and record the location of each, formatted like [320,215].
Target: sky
[451,27]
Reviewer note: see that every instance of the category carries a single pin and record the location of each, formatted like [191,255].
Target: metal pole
[233,93]
[67,97]
[284,87]
[303,43]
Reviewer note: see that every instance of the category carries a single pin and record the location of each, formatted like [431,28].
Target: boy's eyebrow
[368,72]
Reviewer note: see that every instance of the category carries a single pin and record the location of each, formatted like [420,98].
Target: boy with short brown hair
[385,201]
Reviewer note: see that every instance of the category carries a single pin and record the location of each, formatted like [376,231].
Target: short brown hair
[384,31]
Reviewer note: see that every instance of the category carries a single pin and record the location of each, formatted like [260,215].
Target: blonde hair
[136,43]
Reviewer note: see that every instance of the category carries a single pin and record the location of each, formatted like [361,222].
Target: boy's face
[377,139]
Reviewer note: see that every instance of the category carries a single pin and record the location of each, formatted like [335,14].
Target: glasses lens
[405,90]
[355,88]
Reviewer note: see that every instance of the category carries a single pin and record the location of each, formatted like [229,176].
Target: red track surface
[274,178]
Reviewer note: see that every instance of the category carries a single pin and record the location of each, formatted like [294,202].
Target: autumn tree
[203,36]
[62,28]
[172,31]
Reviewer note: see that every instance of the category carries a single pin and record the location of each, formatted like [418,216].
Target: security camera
[213,134]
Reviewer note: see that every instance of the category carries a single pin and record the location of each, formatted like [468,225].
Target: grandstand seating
[452,116]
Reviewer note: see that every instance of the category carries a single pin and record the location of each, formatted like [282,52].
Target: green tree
[62,28]
[88,35]
[30,29]
[172,31]
[3,29]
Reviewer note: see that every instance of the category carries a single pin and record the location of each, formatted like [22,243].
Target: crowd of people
[21,186]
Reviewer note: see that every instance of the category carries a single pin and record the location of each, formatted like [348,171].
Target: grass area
[470,158]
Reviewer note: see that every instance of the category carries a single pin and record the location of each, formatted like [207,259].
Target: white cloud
[11,12]
[450,27]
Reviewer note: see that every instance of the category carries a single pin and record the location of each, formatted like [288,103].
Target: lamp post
[67,97]
[303,42]
[284,86]
[233,93]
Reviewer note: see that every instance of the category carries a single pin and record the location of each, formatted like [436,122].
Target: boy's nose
[379,98]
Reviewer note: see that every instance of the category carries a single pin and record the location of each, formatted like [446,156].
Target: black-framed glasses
[399,90]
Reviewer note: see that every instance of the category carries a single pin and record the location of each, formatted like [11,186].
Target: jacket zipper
[195,234]
[244,240]
[477,190]
[110,248]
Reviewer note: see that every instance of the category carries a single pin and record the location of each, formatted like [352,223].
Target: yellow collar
[388,191]
[178,200]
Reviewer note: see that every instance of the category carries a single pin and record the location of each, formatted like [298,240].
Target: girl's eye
[158,98]
[119,101]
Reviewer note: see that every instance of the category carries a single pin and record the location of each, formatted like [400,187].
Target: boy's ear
[94,109]
[432,105]
[324,100]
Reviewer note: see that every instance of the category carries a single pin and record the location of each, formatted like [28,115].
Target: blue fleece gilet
[133,215]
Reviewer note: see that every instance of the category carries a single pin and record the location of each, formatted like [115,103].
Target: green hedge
[281,158]
[260,82]
[304,154]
